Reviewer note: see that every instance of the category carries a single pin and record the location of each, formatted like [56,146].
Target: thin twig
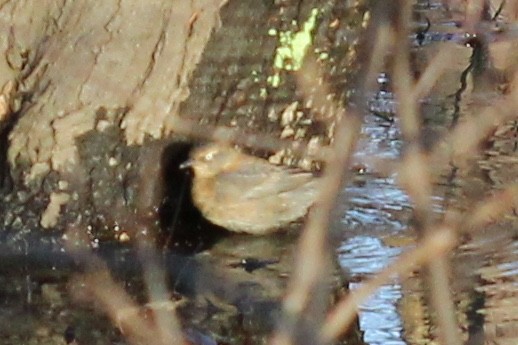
[415,163]
[436,244]
[263,141]
[312,258]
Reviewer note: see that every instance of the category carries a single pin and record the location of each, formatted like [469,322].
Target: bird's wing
[254,181]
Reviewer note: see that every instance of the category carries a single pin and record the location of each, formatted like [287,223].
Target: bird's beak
[187,164]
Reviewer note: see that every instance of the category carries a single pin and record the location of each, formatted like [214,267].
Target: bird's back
[254,196]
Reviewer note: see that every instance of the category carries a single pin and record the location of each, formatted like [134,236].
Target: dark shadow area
[184,227]
[5,178]
[476,319]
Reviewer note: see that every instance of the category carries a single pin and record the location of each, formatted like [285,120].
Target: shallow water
[379,318]
[373,209]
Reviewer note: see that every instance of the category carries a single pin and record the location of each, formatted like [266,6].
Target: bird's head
[211,160]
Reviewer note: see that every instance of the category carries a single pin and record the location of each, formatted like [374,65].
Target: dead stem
[436,244]
[98,286]
[433,71]
[312,258]
[101,289]
[415,163]
[264,141]
[384,38]
[167,326]
[491,210]
[475,11]
[465,139]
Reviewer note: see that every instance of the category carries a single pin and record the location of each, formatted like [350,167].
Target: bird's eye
[209,156]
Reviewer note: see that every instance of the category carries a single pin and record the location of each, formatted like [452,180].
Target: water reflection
[499,286]
[371,209]
[377,203]
[379,319]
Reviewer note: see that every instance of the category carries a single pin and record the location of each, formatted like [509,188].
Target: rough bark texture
[92,79]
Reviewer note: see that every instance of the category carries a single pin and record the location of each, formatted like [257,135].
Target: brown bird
[243,193]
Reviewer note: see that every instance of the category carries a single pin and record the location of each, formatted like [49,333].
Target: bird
[247,194]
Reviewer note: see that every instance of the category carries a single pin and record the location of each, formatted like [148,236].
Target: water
[376,222]
[375,208]
[379,319]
